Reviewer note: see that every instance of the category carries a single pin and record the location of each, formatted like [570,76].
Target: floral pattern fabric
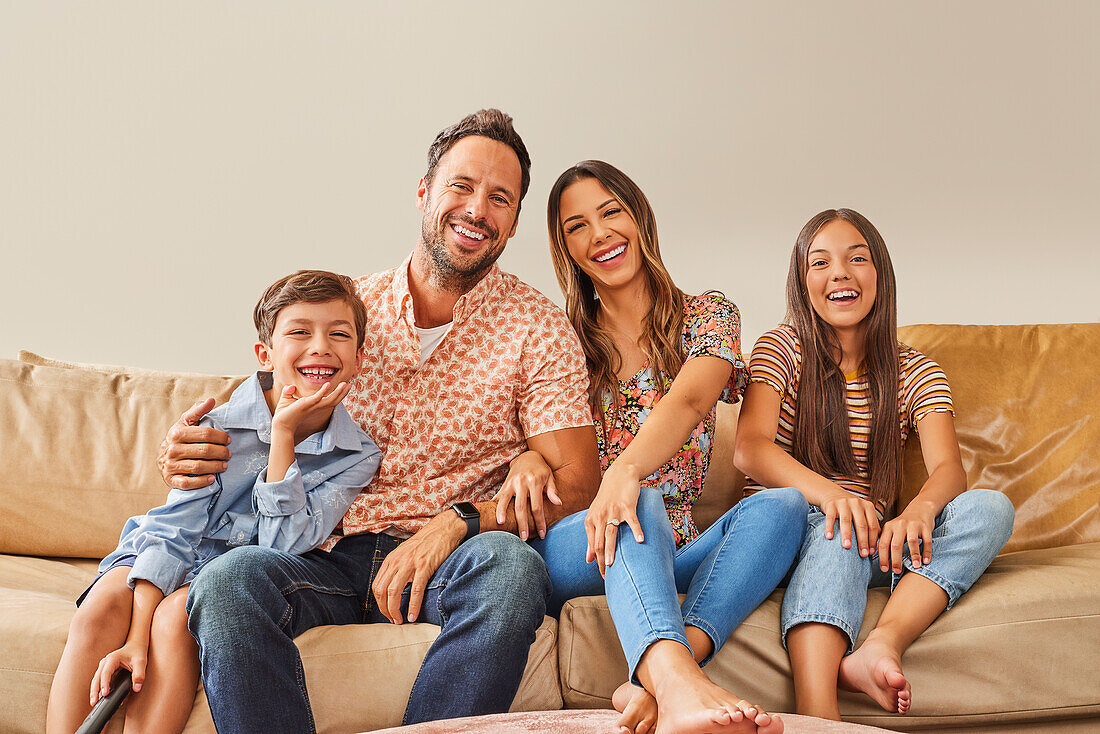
[712,328]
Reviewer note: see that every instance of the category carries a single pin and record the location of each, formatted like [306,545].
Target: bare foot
[875,669]
[696,705]
[638,709]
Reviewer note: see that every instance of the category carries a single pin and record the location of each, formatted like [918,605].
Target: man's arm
[571,454]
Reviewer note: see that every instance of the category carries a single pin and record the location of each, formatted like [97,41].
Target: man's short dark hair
[492,124]
[308,286]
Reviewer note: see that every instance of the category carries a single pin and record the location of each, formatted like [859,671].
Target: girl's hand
[616,502]
[855,512]
[528,478]
[911,527]
[131,656]
[291,409]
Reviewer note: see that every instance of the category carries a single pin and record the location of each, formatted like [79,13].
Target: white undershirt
[430,339]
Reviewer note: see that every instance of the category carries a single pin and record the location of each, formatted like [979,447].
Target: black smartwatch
[471,516]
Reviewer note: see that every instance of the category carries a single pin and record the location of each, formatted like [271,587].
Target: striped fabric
[922,389]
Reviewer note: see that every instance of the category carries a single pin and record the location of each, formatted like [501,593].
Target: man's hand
[414,561]
[191,454]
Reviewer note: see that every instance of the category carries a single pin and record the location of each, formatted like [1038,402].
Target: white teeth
[468,233]
[842,294]
[317,372]
[613,253]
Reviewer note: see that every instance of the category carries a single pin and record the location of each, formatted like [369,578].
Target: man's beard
[454,276]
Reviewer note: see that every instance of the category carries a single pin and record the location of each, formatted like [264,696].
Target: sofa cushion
[80,446]
[1025,403]
[359,676]
[1010,649]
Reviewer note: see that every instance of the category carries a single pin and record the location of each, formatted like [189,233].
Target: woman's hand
[911,527]
[291,409]
[131,656]
[855,512]
[616,502]
[529,477]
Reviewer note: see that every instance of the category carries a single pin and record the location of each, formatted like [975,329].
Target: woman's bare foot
[638,709]
[694,705]
[875,669]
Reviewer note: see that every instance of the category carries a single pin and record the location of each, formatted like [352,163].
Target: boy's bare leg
[816,650]
[875,667]
[689,702]
[99,626]
[638,707]
[172,674]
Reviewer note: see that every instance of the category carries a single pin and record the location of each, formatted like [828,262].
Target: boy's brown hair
[308,286]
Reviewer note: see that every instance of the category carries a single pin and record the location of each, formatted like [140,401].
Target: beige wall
[160,163]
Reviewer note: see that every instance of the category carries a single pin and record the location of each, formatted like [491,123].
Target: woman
[658,361]
[832,397]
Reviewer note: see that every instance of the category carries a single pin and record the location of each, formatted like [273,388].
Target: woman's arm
[691,397]
[757,454]
[134,653]
[946,481]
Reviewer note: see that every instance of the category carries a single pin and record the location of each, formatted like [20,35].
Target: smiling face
[311,344]
[601,237]
[841,280]
[470,206]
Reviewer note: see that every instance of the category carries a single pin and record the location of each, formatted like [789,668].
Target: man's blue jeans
[247,606]
[726,572]
[829,582]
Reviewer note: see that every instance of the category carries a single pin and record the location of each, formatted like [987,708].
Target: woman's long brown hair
[661,335]
[822,440]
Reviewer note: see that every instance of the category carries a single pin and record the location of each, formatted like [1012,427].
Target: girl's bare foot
[638,709]
[695,705]
[875,669]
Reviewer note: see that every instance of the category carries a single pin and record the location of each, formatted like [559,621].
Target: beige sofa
[1016,654]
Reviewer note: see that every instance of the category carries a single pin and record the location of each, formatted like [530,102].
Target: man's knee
[228,580]
[508,568]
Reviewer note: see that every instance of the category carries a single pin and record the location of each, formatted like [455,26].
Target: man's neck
[433,301]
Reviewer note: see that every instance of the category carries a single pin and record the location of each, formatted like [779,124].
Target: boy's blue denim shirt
[170,544]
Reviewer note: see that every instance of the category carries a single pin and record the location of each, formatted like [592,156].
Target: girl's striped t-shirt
[922,389]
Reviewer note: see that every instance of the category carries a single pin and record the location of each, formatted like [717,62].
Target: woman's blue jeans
[829,582]
[726,572]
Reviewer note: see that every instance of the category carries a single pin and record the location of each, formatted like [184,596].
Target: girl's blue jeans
[726,572]
[829,582]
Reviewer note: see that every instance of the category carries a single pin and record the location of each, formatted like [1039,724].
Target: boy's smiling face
[311,344]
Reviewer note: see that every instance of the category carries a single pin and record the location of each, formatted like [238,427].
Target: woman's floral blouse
[712,328]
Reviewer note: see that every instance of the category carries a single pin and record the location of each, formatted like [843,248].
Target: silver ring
[614,522]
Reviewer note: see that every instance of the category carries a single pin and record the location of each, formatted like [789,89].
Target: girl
[658,361]
[831,400]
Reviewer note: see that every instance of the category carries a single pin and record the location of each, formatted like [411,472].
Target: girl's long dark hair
[822,440]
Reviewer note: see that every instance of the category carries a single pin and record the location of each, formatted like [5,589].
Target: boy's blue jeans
[726,572]
[247,606]
[829,582]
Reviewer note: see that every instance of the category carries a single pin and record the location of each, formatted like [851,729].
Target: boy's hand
[190,454]
[131,656]
[291,410]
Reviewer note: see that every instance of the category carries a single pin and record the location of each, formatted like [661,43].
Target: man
[465,366]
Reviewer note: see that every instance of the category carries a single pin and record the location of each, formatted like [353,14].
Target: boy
[298,462]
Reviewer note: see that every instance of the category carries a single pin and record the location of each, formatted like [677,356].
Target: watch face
[466,510]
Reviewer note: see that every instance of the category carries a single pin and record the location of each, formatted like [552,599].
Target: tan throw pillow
[79,449]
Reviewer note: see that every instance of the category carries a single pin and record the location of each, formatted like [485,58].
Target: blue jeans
[247,606]
[726,572]
[829,582]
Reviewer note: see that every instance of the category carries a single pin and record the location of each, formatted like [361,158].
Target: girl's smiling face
[841,279]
